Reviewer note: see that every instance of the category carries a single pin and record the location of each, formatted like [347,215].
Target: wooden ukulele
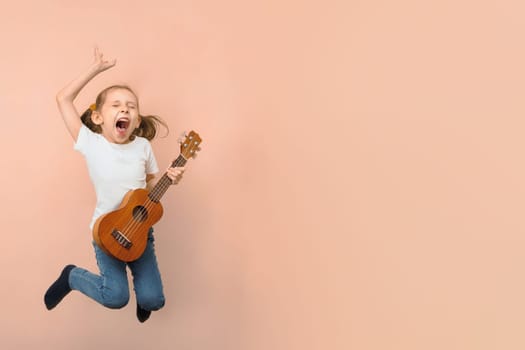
[123,233]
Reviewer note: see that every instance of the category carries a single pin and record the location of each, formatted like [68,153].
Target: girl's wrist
[93,70]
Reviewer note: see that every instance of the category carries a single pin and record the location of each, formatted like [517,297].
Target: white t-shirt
[114,168]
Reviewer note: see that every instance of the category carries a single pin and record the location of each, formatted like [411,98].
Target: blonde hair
[148,123]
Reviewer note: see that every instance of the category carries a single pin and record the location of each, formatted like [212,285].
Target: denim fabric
[111,289]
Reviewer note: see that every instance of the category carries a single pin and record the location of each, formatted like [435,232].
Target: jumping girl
[114,139]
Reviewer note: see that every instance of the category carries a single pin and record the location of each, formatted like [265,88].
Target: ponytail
[148,127]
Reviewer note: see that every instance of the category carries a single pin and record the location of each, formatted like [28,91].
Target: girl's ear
[96,118]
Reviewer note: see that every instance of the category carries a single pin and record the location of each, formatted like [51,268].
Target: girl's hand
[175,174]
[100,64]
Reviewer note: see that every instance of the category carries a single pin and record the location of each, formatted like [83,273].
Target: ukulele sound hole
[140,213]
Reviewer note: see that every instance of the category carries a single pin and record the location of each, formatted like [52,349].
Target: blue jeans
[111,289]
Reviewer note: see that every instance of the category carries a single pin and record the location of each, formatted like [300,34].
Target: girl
[114,139]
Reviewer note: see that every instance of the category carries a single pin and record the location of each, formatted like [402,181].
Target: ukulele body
[123,233]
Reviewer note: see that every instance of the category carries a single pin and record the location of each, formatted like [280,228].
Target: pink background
[360,184]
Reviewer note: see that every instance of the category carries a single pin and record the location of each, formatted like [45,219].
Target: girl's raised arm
[66,96]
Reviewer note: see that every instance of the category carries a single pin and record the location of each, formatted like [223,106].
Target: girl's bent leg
[110,288]
[146,278]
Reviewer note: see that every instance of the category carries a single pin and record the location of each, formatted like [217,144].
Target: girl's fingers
[175,179]
[98,54]
[175,174]
[99,59]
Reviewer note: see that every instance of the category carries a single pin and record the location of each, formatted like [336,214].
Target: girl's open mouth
[122,125]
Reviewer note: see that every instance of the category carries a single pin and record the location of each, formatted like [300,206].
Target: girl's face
[118,116]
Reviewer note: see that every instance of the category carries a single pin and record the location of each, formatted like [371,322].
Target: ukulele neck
[165,182]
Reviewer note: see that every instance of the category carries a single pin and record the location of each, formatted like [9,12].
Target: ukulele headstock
[190,145]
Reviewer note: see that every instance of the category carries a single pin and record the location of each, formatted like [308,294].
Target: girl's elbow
[60,98]
[63,99]
[63,96]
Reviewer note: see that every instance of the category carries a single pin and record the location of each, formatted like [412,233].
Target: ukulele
[123,233]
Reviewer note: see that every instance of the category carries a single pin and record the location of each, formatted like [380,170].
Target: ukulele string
[158,191]
[133,225]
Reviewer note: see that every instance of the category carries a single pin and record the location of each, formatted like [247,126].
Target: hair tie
[93,107]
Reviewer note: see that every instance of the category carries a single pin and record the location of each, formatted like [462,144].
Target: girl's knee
[116,299]
[151,302]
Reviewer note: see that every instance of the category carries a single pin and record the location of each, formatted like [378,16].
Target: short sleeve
[151,162]
[83,138]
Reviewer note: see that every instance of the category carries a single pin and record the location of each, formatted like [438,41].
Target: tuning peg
[195,152]
[182,137]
